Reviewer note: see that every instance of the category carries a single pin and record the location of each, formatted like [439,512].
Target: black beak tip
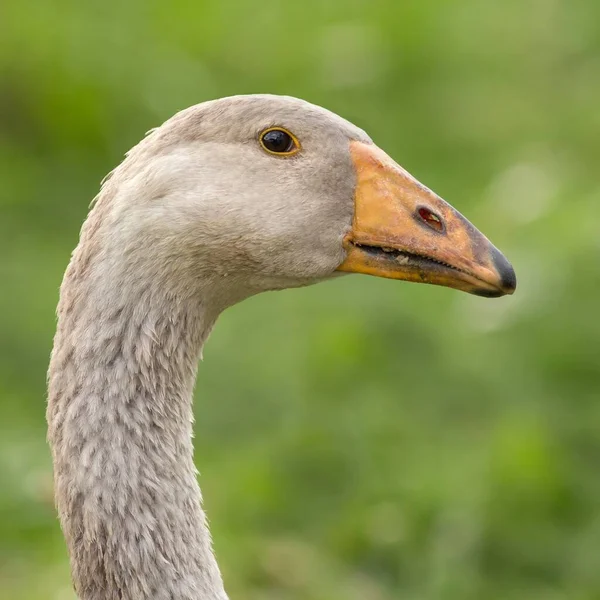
[488,293]
[508,278]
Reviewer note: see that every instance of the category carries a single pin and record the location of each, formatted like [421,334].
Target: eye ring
[280,142]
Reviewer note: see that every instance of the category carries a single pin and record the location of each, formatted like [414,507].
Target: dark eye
[279,141]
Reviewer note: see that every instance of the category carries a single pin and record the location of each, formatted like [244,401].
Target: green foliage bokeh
[360,439]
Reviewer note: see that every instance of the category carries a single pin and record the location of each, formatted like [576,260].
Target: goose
[226,199]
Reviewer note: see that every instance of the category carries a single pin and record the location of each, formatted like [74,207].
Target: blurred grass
[360,439]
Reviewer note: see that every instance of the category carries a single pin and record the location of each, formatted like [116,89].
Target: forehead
[242,117]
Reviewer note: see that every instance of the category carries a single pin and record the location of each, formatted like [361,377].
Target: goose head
[266,192]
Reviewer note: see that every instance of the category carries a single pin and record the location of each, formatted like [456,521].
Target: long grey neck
[120,428]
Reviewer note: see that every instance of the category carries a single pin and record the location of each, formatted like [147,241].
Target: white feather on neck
[120,426]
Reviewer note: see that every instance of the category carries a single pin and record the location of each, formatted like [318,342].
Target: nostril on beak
[430,219]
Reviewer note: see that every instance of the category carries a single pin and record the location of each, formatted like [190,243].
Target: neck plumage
[120,426]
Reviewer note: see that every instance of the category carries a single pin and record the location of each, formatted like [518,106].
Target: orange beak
[402,230]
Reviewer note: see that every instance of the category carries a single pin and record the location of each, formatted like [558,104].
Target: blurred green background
[360,439]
